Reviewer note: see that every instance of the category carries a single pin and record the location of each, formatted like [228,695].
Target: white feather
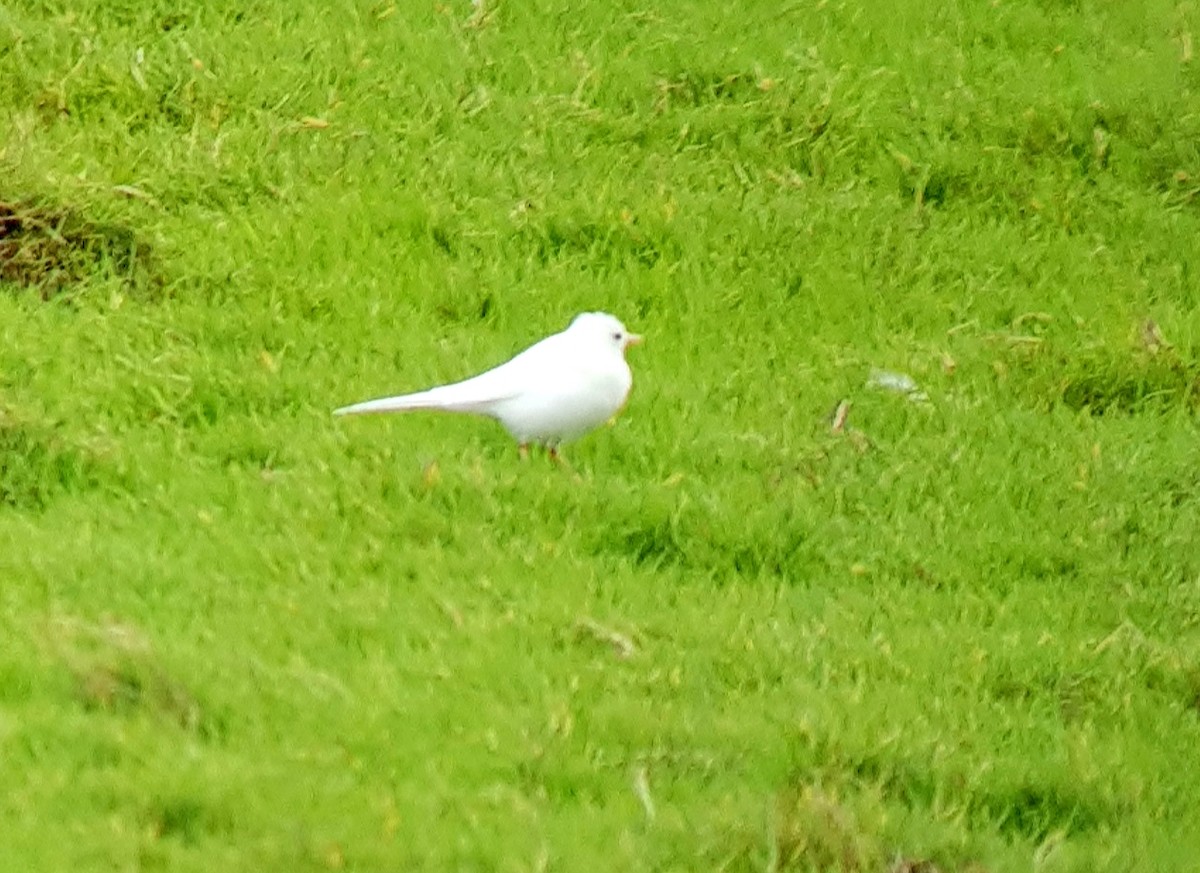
[556,390]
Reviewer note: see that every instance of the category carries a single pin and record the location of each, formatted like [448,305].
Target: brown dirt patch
[47,249]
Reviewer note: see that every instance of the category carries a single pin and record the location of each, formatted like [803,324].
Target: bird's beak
[634,339]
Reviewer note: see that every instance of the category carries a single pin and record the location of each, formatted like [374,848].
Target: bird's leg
[557,457]
[523,451]
[561,462]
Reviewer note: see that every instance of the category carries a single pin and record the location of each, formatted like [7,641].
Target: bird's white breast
[566,399]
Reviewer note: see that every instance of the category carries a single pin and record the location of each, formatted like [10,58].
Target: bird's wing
[479,394]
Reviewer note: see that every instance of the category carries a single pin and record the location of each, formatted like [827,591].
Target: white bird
[556,390]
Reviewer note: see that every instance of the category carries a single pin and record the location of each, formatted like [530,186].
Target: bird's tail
[465,396]
[400,403]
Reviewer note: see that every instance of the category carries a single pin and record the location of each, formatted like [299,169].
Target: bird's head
[602,329]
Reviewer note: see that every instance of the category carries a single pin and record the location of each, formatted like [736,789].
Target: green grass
[239,634]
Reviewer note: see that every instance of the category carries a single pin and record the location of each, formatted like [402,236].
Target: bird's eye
[617,336]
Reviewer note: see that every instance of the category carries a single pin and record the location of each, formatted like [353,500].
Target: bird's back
[478,394]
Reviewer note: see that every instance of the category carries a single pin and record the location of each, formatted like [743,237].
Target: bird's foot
[523,451]
[557,457]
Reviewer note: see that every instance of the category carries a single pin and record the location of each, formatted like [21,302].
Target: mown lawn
[958,632]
